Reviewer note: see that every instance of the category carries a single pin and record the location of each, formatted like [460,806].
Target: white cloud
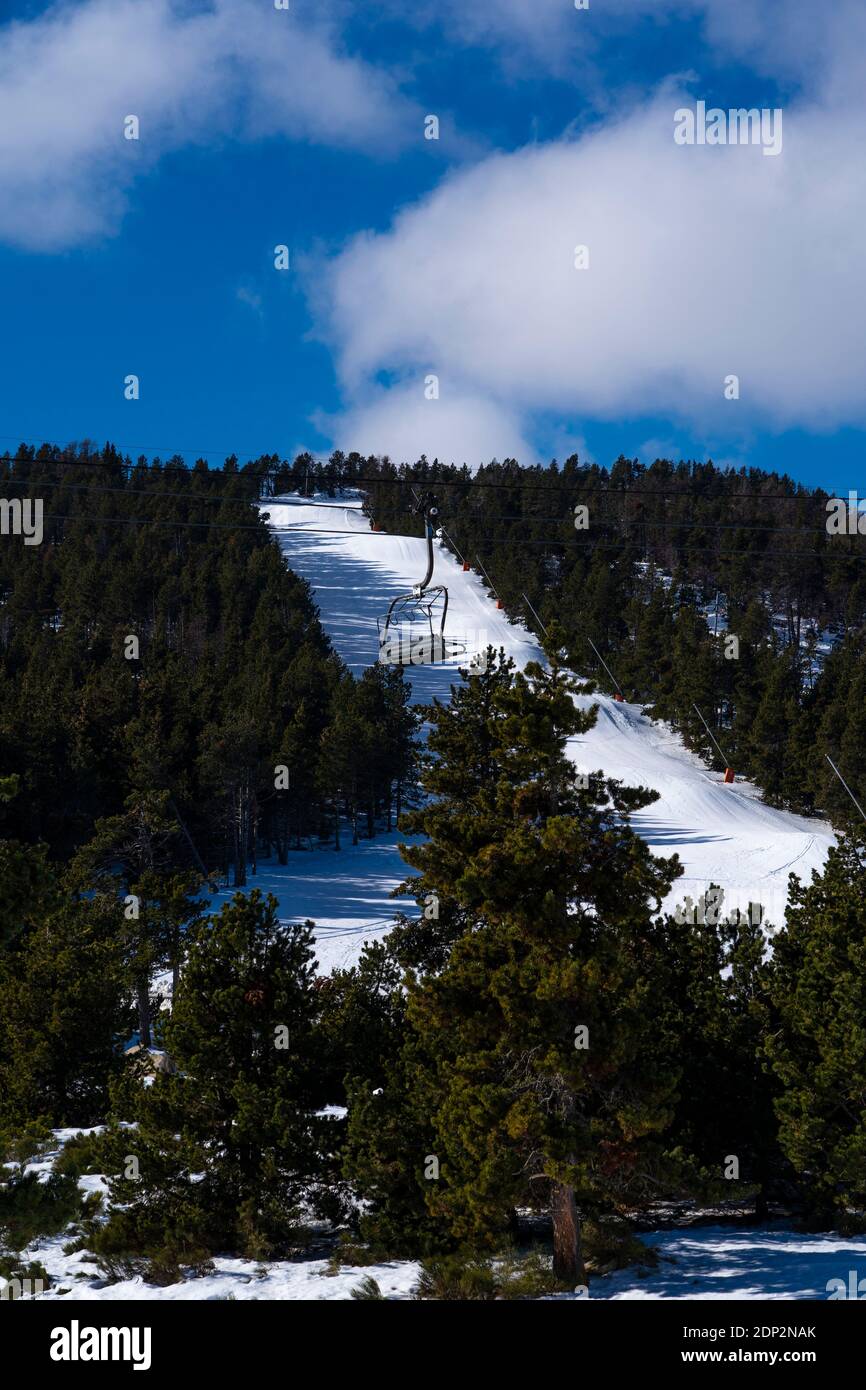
[457,428]
[704,262]
[238,69]
[799,39]
[818,45]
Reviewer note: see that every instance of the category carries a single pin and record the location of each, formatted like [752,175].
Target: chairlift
[413,631]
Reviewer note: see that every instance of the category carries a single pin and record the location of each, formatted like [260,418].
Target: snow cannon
[729,774]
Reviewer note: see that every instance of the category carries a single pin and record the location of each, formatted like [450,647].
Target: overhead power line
[588,544]
[134,492]
[615,489]
[217,499]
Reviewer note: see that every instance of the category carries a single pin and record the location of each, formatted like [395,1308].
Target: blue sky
[451,257]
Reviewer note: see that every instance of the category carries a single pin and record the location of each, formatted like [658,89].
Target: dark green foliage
[27,888]
[28,882]
[367,1290]
[233,677]
[128,867]
[511,1275]
[817,1047]
[63,1015]
[711,1012]
[22,1142]
[228,1147]
[457,1278]
[544,894]
[362,1020]
[390,1133]
[610,1245]
[11,1268]
[32,1205]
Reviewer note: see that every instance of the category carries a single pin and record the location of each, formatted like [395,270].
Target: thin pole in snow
[710,732]
[535,616]
[450,540]
[845,785]
[605,665]
[486,576]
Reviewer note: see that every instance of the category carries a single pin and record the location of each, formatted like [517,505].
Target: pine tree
[363,1019]
[710,986]
[818,1047]
[776,714]
[695,683]
[233,764]
[343,751]
[852,748]
[543,889]
[64,1014]
[28,883]
[134,863]
[229,1145]
[649,670]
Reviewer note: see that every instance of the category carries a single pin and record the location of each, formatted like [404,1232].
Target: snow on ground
[717,1262]
[346,893]
[722,833]
[240,1280]
[700,1262]
[708,1263]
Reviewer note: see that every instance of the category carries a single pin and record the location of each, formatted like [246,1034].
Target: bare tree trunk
[142,999]
[188,837]
[240,845]
[567,1255]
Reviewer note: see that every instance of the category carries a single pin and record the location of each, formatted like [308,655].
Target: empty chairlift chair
[413,631]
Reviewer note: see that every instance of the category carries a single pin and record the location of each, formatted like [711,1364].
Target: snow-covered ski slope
[723,834]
